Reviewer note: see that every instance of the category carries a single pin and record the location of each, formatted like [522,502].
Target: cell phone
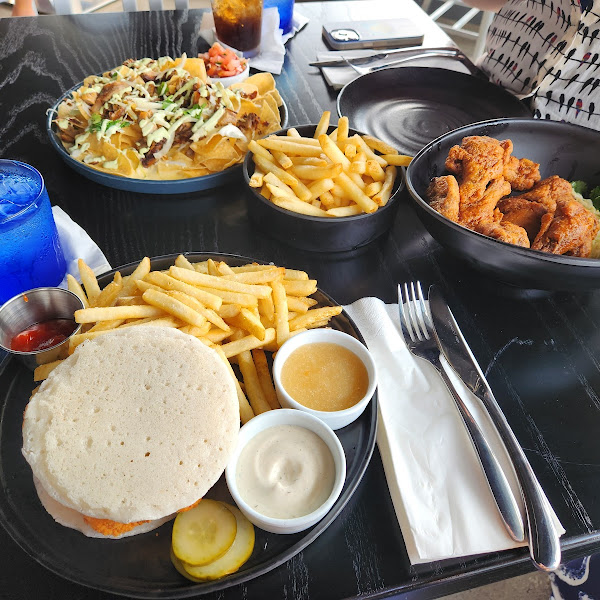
[392,33]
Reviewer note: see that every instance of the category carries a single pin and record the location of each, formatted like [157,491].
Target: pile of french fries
[242,312]
[335,175]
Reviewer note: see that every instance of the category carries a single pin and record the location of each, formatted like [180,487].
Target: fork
[420,53]
[417,327]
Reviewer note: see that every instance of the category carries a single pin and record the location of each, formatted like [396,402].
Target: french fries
[327,175]
[239,311]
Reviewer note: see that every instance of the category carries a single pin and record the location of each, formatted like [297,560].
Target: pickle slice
[203,533]
[233,559]
[179,566]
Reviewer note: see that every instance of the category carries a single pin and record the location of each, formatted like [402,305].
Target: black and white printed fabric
[549,50]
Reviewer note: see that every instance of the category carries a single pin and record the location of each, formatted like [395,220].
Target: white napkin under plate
[272,42]
[444,506]
[76,244]
[338,77]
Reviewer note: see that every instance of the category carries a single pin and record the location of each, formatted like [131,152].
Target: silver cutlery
[409,53]
[421,341]
[544,540]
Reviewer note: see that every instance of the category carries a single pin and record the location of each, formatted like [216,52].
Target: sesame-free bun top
[74,520]
[135,425]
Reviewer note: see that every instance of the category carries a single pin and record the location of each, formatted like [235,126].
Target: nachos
[162,119]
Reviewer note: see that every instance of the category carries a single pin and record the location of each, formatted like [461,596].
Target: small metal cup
[35,306]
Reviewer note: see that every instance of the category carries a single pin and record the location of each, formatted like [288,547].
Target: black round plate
[140,566]
[410,106]
[147,186]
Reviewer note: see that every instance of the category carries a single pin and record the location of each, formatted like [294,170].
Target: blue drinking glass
[30,252]
[286,12]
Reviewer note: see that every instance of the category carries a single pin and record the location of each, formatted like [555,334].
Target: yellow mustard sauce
[325,376]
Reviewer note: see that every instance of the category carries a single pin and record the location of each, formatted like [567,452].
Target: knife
[543,537]
[343,61]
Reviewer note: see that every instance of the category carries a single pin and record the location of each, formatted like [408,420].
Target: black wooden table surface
[538,350]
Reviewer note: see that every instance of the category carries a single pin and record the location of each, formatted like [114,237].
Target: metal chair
[459,26]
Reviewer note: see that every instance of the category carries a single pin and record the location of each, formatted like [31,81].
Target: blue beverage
[30,252]
[286,12]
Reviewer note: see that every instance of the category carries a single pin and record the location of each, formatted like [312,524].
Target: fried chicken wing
[444,196]
[549,191]
[482,210]
[545,217]
[524,213]
[505,231]
[572,228]
[521,173]
[477,161]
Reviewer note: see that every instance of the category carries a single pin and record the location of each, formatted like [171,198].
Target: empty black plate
[408,107]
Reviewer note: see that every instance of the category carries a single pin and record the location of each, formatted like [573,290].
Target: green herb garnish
[595,197]
[96,122]
[579,187]
[195,110]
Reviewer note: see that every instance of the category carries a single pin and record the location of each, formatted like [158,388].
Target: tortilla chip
[196,68]
[275,93]
[264,82]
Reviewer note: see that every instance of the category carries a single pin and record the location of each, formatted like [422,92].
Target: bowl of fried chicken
[515,199]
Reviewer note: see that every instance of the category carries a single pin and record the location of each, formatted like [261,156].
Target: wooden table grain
[540,351]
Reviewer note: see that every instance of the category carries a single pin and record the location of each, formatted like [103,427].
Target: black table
[539,350]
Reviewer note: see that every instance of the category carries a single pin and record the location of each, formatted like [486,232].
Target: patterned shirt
[549,50]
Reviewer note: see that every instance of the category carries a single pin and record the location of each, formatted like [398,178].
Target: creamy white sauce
[285,472]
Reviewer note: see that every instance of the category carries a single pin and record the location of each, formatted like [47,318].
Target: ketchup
[42,336]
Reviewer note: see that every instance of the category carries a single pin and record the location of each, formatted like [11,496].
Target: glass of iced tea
[238,24]
[30,251]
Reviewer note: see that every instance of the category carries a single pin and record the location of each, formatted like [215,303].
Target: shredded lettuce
[581,187]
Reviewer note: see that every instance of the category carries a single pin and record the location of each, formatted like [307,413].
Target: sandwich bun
[137,424]
[71,518]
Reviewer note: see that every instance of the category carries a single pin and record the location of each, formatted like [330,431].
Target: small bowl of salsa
[224,65]
[37,324]
[326,373]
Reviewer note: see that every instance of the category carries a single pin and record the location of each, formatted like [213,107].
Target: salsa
[42,336]
[223,62]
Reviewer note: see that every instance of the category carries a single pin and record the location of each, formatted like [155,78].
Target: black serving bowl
[319,234]
[563,149]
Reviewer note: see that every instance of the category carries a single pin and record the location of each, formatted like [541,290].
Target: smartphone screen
[390,33]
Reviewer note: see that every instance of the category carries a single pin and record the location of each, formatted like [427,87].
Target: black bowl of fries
[549,258]
[323,194]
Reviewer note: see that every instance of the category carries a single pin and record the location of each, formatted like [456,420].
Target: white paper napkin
[76,244]
[338,77]
[272,42]
[442,500]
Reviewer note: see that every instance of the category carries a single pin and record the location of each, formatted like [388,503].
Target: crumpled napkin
[338,77]
[76,244]
[272,49]
[444,506]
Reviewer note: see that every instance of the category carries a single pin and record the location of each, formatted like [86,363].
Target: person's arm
[24,8]
[493,5]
